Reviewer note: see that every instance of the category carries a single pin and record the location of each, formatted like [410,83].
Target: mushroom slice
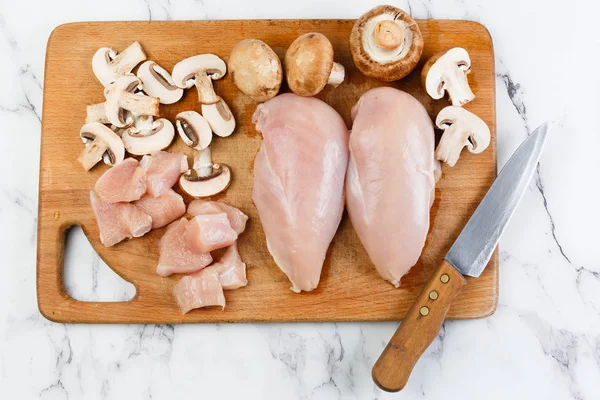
[219,117]
[309,65]
[100,140]
[447,71]
[119,97]
[158,82]
[200,70]
[205,179]
[193,129]
[147,141]
[96,113]
[461,128]
[108,65]
[386,43]
[255,69]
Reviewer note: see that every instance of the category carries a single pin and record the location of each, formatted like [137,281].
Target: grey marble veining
[543,342]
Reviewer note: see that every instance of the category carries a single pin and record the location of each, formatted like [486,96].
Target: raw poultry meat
[231,269]
[299,182]
[209,232]
[124,182]
[390,185]
[201,289]
[175,257]
[118,221]
[163,209]
[163,170]
[237,219]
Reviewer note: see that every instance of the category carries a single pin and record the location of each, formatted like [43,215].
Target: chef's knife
[468,256]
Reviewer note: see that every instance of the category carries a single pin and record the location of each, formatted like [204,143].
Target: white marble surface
[543,342]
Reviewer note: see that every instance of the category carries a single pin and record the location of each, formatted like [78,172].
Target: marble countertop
[543,342]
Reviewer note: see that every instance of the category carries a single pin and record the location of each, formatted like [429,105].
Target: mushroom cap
[115,151]
[193,129]
[158,138]
[382,62]
[255,69]
[219,117]
[184,71]
[446,71]
[215,183]
[308,63]
[157,82]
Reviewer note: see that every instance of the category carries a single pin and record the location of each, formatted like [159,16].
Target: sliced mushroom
[386,43]
[219,117]
[119,97]
[149,138]
[205,179]
[193,129]
[309,65]
[97,113]
[158,82]
[447,71]
[99,141]
[108,65]
[200,70]
[255,69]
[461,128]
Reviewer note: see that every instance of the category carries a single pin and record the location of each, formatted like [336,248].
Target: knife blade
[468,256]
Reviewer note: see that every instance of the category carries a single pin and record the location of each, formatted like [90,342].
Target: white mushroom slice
[148,141]
[119,96]
[100,140]
[461,128]
[200,70]
[219,117]
[96,113]
[205,179]
[108,65]
[447,71]
[193,129]
[158,82]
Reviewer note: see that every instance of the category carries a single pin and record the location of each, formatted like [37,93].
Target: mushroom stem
[388,35]
[203,164]
[96,113]
[336,77]
[140,104]
[92,154]
[206,92]
[126,60]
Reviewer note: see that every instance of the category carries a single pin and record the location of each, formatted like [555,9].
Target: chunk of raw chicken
[124,182]
[118,221]
[231,269]
[299,182]
[201,289]
[390,185]
[237,219]
[163,209]
[163,170]
[209,232]
[175,257]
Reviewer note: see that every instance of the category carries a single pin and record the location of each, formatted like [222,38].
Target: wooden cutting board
[350,289]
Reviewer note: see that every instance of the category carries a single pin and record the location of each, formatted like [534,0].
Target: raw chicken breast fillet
[175,257]
[124,182]
[119,221]
[163,170]
[299,182]
[163,209]
[201,289]
[237,219]
[390,185]
[231,269]
[209,232]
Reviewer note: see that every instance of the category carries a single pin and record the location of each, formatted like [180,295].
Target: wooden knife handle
[418,329]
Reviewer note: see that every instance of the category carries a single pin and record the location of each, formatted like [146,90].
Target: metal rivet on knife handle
[433,295]
[424,311]
[444,278]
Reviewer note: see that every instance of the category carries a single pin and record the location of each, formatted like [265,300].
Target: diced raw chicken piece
[163,209]
[124,182]
[201,289]
[231,269]
[390,185]
[175,257]
[119,221]
[299,182]
[236,218]
[209,232]
[163,170]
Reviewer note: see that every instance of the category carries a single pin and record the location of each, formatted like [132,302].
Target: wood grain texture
[418,329]
[350,289]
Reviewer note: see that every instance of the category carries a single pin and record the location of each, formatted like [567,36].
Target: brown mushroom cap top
[255,69]
[400,64]
[308,63]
